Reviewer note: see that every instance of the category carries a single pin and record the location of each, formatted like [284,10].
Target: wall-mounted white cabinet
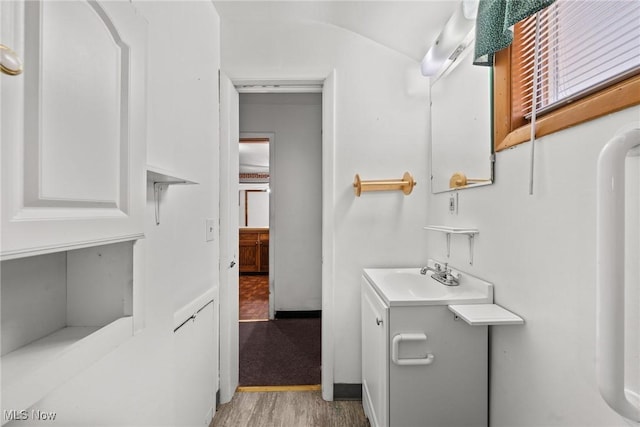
[61,312]
[73,126]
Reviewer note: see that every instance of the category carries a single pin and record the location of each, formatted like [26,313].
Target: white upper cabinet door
[73,126]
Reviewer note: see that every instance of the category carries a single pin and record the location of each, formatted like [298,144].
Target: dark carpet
[280,352]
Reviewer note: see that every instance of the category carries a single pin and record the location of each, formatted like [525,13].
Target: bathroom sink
[406,286]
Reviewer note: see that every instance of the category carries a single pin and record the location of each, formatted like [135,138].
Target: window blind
[583,46]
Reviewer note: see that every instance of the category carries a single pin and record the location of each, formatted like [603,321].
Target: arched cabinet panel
[73,126]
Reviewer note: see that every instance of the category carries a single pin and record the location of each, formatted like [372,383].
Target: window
[588,56]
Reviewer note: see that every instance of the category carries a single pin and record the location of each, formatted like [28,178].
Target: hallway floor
[254,297]
[280,352]
[288,409]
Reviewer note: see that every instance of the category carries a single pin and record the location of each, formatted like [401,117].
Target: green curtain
[495,17]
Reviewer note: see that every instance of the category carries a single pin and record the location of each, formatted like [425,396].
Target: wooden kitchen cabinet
[254,250]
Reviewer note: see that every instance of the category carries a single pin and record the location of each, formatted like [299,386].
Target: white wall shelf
[161,179]
[34,370]
[485,314]
[470,232]
[452,230]
[164,176]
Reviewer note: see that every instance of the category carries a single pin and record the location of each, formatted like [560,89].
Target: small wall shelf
[485,314]
[161,179]
[470,232]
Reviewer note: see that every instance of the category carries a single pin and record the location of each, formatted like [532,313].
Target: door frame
[327,86]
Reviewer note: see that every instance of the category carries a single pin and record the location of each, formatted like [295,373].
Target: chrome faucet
[437,269]
[442,274]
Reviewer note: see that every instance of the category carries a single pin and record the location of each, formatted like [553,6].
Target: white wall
[296,192]
[539,251]
[37,289]
[254,209]
[381,132]
[134,385]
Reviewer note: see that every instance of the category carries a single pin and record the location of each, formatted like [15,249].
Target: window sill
[618,97]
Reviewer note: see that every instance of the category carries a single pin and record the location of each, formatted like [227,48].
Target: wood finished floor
[254,297]
[288,409]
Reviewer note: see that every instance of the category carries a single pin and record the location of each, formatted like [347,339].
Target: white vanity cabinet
[421,366]
[73,126]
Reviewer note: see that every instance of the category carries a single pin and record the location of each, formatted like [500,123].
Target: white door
[73,126]
[229,193]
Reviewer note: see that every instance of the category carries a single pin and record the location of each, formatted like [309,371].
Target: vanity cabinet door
[375,357]
[73,126]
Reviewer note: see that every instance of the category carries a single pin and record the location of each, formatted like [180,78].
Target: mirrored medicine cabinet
[461,126]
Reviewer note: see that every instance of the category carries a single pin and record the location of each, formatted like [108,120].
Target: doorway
[291,125]
[229,109]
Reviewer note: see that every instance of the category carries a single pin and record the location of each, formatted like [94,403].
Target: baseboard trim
[308,314]
[347,392]
[263,388]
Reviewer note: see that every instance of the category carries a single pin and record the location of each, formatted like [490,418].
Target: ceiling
[409,27]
